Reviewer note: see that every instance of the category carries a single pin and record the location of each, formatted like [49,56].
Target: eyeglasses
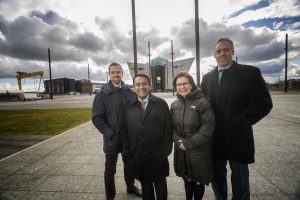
[179,85]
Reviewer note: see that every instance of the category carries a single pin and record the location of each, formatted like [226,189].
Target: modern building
[60,86]
[160,71]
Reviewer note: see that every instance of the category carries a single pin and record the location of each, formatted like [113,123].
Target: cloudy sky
[97,32]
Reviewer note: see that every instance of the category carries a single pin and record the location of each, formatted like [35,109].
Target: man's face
[141,87]
[115,74]
[223,54]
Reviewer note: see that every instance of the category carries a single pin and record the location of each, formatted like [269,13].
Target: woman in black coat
[193,125]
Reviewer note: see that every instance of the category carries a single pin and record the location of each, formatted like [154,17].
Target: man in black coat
[106,116]
[147,138]
[240,98]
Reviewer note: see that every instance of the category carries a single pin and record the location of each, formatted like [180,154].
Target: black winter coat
[193,123]
[239,101]
[147,138]
[106,114]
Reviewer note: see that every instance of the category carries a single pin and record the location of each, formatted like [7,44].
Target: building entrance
[158,78]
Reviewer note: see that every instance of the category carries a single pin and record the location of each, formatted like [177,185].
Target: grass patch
[42,121]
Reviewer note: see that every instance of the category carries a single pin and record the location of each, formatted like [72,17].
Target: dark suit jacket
[147,138]
[239,101]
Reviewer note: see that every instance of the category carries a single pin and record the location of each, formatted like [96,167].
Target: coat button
[144,153]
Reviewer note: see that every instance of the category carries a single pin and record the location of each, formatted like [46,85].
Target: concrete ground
[70,165]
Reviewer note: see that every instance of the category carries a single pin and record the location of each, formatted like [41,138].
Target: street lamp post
[172,56]
[50,74]
[134,37]
[197,43]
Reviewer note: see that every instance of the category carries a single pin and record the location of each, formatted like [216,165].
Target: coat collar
[109,88]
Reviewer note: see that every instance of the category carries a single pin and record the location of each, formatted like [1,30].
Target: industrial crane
[21,75]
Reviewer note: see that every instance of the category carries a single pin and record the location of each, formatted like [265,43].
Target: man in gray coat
[106,118]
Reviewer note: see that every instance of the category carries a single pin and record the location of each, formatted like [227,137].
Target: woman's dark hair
[186,75]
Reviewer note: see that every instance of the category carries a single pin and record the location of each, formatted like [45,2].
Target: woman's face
[183,87]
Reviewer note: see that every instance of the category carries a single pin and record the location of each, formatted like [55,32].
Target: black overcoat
[239,101]
[106,114]
[147,138]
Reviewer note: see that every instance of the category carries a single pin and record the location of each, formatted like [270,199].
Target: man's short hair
[142,75]
[229,41]
[114,64]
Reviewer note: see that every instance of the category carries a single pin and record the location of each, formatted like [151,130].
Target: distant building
[97,86]
[293,84]
[60,86]
[84,86]
[160,71]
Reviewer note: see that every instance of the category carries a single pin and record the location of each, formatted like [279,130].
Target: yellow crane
[21,75]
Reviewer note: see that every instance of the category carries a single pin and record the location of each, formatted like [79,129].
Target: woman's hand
[180,145]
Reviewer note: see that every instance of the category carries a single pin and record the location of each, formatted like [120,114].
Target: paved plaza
[70,165]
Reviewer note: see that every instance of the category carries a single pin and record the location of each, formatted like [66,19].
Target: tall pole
[89,82]
[50,74]
[286,62]
[197,43]
[172,56]
[134,36]
[89,72]
[149,55]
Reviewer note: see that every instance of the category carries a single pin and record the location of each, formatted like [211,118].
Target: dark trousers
[193,189]
[110,171]
[239,180]
[160,187]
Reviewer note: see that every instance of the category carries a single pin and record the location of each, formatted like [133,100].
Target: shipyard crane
[21,75]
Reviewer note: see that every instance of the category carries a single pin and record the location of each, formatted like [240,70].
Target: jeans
[239,180]
[109,174]
[160,187]
[193,189]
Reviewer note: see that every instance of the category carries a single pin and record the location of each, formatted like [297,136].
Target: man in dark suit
[240,98]
[147,138]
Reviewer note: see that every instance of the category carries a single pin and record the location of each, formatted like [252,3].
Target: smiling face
[223,54]
[141,87]
[115,74]
[183,87]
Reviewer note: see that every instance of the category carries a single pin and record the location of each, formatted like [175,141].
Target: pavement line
[44,141]
[297,116]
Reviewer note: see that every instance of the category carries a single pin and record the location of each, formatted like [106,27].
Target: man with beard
[106,118]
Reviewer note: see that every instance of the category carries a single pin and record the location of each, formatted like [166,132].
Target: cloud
[27,33]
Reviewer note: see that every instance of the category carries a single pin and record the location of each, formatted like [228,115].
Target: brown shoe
[135,191]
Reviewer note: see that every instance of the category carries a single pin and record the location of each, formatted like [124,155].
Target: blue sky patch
[270,23]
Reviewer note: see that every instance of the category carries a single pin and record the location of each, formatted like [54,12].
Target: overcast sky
[97,32]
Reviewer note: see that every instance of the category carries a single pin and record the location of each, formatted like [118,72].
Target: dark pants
[160,187]
[193,189]
[109,174]
[239,180]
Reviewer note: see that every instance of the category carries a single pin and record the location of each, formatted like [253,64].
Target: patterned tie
[143,104]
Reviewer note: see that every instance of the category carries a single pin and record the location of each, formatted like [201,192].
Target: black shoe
[136,191]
